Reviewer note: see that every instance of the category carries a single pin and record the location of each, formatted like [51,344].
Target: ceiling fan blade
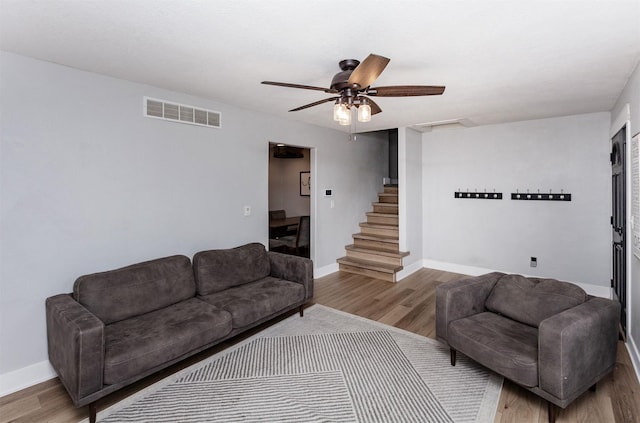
[406,90]
[369,70]
[375,109]
[306,106]
[304,87]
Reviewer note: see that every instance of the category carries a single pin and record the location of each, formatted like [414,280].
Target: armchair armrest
[294,269]
[577,347]
[76,346]
[463,298]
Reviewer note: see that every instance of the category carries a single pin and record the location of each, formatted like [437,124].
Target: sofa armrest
[462,298]
[76,345]
[577,347]
[294,269]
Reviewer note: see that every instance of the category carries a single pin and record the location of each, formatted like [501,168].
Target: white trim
[25,377]
[408,270]
[319,272]
[595,290]
[632,348]
[455,268]
[623,120]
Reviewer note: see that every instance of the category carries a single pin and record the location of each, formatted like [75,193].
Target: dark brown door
[618,224]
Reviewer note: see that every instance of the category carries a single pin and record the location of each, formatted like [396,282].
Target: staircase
[375,250]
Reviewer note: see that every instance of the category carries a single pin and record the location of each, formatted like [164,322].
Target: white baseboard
[632,348]
[25,377]
[595,290]
[455,268]
[412,268]
[325,270]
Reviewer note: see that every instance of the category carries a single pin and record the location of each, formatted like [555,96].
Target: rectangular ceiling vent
[183,113]
[444,124]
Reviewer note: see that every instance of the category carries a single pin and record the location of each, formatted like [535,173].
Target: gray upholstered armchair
[547,336]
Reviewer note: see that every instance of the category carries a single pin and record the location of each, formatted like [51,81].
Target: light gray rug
[327,366]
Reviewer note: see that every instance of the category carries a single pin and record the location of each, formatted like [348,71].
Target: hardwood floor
[408,304]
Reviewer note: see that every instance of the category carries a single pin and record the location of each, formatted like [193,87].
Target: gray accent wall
[89,184]
[571,240]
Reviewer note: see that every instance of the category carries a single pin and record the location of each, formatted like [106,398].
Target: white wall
[284,184]
[89,184]
[410,198]
[570,239]
[631,96]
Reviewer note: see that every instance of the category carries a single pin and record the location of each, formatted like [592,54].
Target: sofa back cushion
[217,270]
[531,300]
[137,289]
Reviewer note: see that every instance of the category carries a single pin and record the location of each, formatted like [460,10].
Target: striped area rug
[327,366]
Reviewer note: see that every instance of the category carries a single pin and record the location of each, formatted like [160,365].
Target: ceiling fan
[352,86]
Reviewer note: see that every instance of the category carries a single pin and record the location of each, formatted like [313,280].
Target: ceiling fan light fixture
[337,111]
[341,113]
[364,111]
[345,116]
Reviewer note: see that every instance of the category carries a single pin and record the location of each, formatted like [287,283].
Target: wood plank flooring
[408,304]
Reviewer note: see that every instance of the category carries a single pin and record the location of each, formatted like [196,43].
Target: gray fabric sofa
[122,325]
[547,336]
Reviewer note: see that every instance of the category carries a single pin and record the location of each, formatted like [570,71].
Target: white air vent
[444,124]
[161,109]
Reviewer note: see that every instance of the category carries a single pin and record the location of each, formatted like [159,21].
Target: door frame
[623,120]
[313,212]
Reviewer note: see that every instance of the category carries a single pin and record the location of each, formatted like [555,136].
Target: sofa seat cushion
[505,346]
[531,300]
[256,300]
[140,343]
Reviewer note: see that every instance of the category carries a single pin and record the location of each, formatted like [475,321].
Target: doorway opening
[290,199]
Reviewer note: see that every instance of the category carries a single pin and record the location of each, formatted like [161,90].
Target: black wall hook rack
[541,196]
[478,195]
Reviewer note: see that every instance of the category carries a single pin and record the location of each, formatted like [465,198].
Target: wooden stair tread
[377,251]
[392,205]
[371,265]
[378,225]
[381,238]
[376,214]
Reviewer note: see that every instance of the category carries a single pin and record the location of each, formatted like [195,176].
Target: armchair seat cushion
[253,301]
[501,344]
[144,342]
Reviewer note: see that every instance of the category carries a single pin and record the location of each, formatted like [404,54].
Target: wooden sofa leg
[453,356]
[593,388]
[553,412]
[301,311]
[93,411]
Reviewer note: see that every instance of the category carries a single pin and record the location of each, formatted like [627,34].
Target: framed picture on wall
[305,183]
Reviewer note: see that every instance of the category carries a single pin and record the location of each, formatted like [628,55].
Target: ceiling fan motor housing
[340,80]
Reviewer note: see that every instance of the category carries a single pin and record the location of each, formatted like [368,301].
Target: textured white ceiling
[500,60]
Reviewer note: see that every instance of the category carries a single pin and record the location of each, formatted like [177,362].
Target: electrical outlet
[247,210]
[534,262]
